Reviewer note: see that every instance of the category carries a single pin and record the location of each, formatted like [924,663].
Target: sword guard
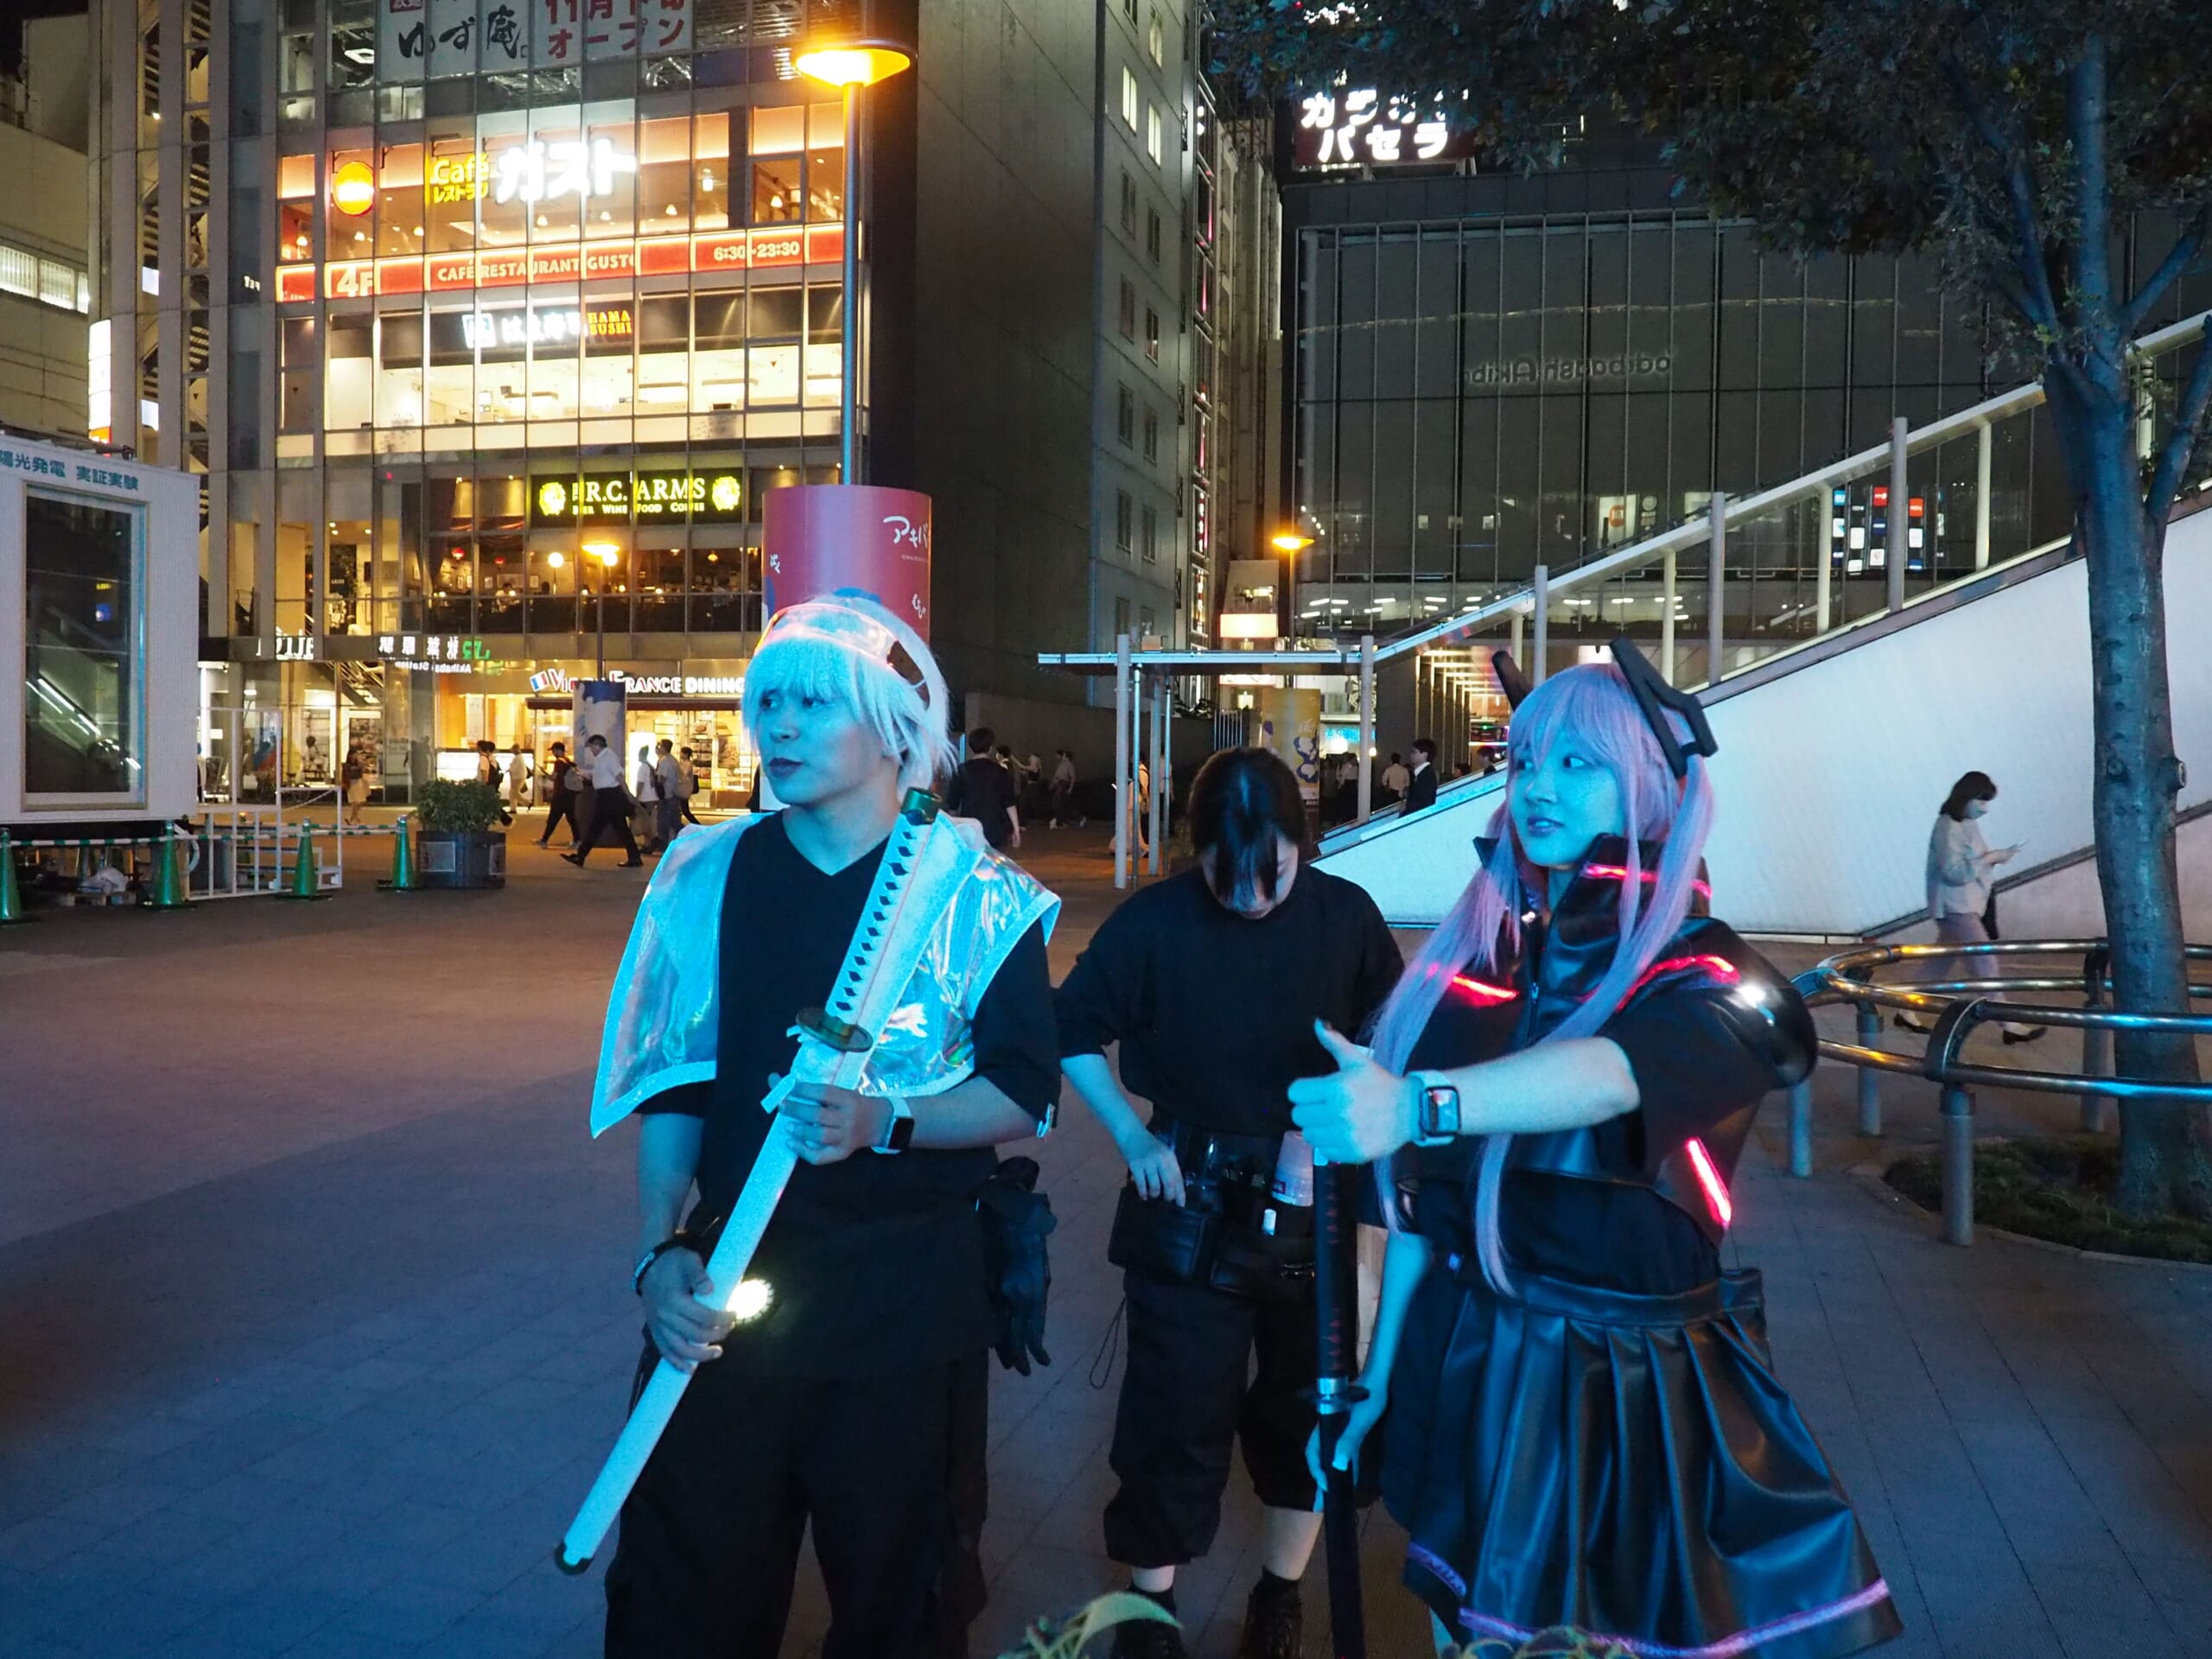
[1331,1396]
[830,1031]
[919,806]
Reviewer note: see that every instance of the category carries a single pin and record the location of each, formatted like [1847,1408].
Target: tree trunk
[2165,1144]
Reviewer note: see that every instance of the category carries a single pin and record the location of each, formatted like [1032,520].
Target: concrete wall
[44,209]
[2064,904]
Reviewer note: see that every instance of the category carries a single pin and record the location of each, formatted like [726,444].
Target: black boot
[1273,1619]
[1144,1638]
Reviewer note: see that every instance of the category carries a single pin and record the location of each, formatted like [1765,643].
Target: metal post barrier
[1981,469]
[1801,1128]
[1957,1165]
[1367,725]
[2096,1047]
[1666,619]
[1540,585]
[1124,794]
[1870,1080]
[1716,588]
[1897,542]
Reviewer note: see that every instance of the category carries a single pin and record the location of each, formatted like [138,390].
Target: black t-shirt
[876,1261]
[1691,1071]
[984,790]
[1215,1013]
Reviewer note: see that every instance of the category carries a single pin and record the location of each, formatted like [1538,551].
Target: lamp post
[1290,541]
[849,66]
[607,555]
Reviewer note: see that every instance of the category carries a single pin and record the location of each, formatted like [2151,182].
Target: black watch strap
[677,1241]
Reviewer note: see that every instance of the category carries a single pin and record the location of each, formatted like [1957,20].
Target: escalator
[1836,752]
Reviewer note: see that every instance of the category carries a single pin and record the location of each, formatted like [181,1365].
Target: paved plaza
[314,1318]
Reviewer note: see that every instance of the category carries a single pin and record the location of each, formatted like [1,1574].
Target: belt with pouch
[1229,1233]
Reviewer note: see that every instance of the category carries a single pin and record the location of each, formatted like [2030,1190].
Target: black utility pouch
[1274,1267]
[1171,1243]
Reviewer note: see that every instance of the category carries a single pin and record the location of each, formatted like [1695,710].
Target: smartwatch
[899,1133]
[1436,1109]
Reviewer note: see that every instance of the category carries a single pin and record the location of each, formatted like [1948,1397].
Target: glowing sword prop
[923,865]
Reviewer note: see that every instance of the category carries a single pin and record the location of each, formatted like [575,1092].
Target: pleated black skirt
[1624,1465]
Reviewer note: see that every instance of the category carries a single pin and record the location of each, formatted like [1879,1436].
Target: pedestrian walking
[668,797]
[610,804]
[856,1406]
[1211,982]
[645,800]
[518,780]
[982,789]
[490,773]
[1585,1428]
[686,773]
[566,785]
[1961,880]
[353,786]
[1063,800]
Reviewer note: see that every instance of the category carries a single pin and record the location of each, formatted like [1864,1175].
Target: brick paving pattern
[314,1321]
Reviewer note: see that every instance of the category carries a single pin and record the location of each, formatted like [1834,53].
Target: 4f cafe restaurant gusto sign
[589,261]
[437,39]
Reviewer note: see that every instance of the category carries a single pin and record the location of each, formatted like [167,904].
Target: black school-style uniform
[1214,1013]
[858,1402]
[1606,1446]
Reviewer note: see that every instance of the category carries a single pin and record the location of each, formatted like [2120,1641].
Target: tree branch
[2042,307]
[2181,443]
[2178,258]
[2085,123]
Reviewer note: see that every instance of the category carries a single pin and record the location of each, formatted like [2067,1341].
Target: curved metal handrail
[1958,1007]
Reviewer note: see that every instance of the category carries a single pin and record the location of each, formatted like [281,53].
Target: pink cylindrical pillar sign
[857,538]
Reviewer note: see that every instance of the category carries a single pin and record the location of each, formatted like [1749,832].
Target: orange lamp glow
[353,188]
[852,63]
[1289,540]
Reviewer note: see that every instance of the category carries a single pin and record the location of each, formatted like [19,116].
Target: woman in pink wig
[1585,1428]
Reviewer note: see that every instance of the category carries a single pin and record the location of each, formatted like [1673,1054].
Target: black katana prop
[1336,1294]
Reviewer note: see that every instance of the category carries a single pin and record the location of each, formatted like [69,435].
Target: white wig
[844,646]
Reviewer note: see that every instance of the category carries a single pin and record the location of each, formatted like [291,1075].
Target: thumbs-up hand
[1357,1114]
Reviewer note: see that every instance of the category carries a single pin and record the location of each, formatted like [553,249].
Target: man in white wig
[856,1403]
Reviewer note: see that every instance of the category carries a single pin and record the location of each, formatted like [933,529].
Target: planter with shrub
[458,842]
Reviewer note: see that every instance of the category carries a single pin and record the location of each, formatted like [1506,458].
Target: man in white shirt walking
[667,787]
[610,805]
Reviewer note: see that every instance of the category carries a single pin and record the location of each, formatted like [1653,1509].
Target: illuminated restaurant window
[500,223]
[610,337]
[451,182]
[778,162]
[663,343]
[399,202]
[665,175]
[449,381]
[299,407]
[711,193]
[718,359]
[825,163]
[554,333]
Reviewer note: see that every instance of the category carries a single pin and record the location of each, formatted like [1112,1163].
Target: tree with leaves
[2017,139]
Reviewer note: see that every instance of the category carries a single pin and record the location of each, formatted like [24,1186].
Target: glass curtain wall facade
[1473,398]
[478,364]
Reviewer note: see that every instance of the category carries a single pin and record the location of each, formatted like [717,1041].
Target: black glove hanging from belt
[1017,1269]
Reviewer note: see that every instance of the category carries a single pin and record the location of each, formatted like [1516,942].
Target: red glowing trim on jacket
[1475,990]
[1719,967]
[1716,1190]
[1619,873]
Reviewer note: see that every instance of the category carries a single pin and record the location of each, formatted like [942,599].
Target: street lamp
[849,66]
[1290,541]
[607,556]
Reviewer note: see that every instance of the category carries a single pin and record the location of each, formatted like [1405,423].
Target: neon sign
[707,497]
[539,172]
[1362,127]
[587,262]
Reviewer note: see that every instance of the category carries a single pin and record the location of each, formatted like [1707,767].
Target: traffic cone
[171,889]
[403,860]
[11,898]
[305,883]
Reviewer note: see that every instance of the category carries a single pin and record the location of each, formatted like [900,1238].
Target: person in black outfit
[856,1403]
[1421,792]
[1584,1427]
[561,801]
[1210,981]
[984,790]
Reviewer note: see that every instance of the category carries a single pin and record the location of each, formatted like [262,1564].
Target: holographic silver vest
[664,1013]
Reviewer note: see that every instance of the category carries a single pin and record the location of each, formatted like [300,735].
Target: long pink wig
[1590,706]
